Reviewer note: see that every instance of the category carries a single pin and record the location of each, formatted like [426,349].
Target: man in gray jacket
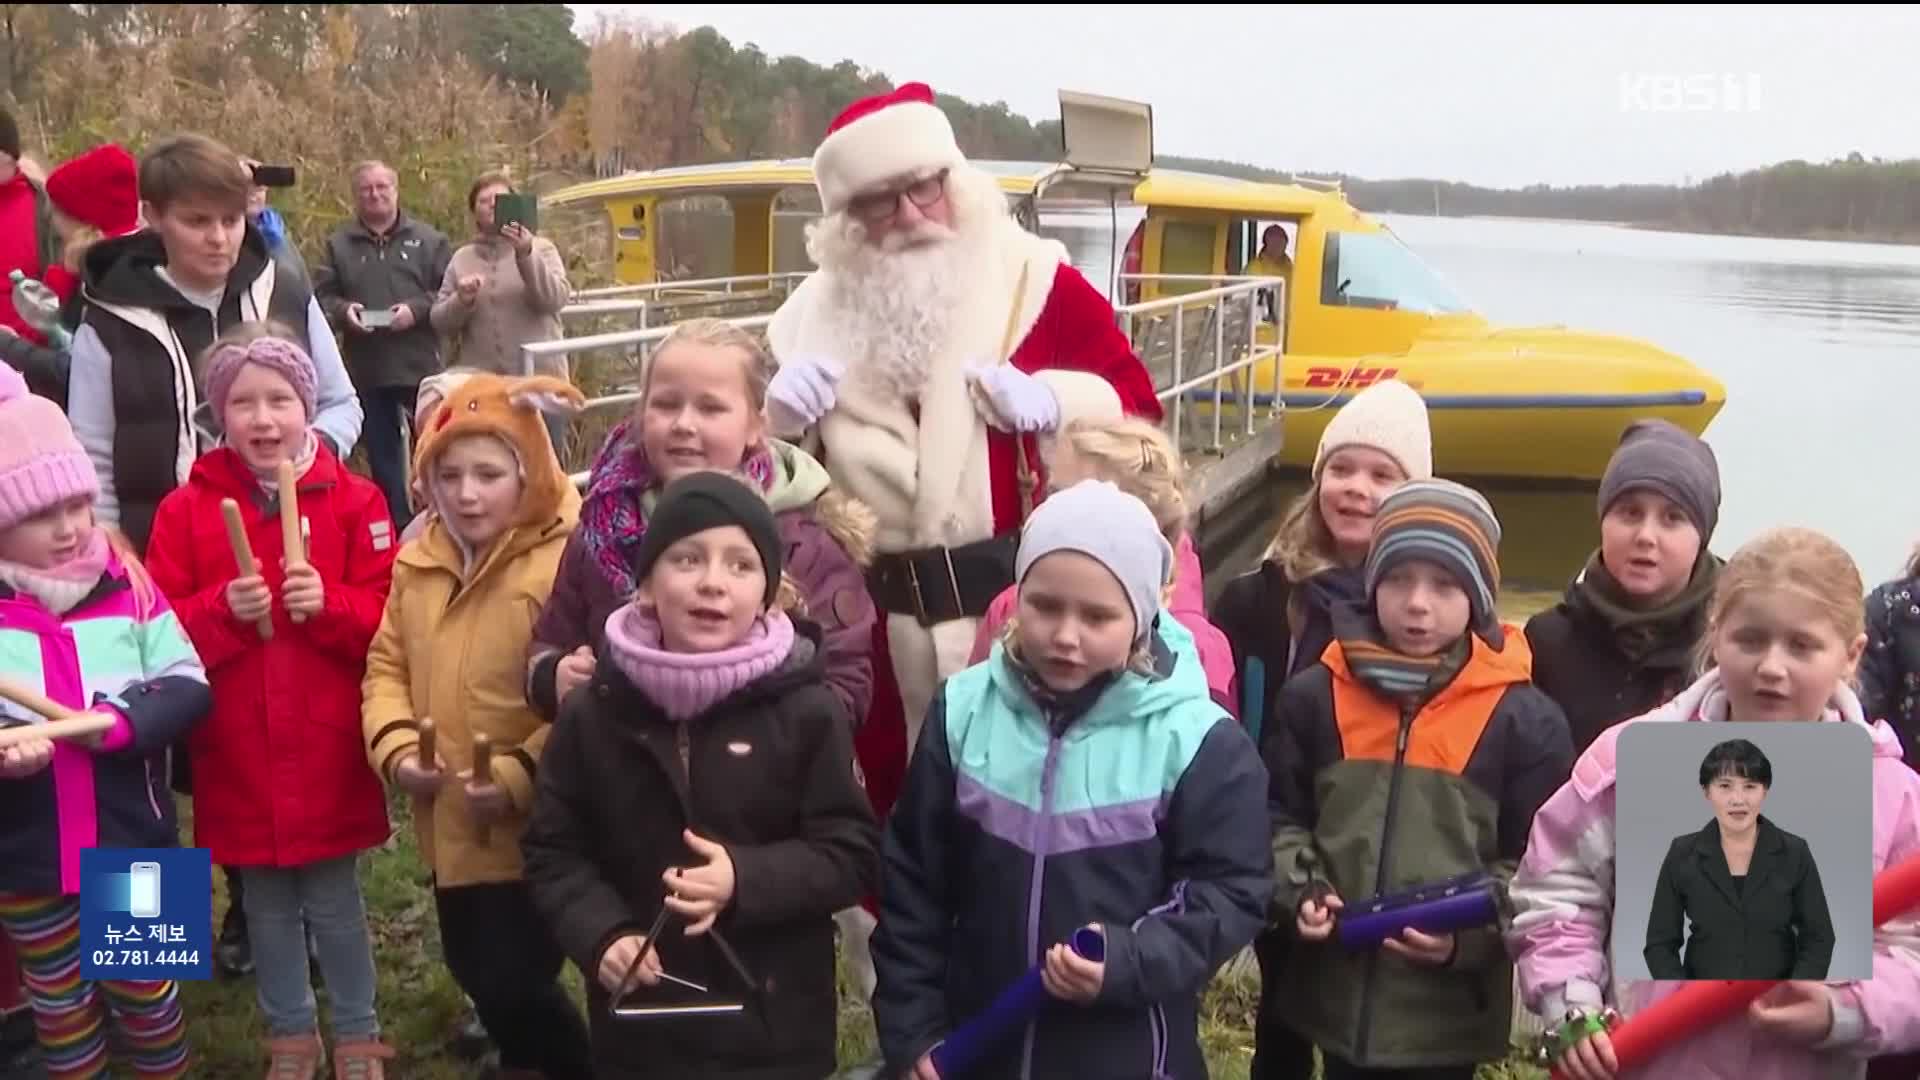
[377,281]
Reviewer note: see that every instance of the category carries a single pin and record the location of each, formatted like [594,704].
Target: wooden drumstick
[62,722]
[483,773]
[243,557]
[426,744]
[291,542]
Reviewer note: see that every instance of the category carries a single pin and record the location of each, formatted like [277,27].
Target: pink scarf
[62,588]
[685,685]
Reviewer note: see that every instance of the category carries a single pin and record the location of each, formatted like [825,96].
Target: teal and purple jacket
[1139,805]
[114,654]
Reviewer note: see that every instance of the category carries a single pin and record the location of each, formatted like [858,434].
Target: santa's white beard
[897,304]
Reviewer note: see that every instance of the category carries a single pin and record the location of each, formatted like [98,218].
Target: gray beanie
[1097,519]
[1657,455]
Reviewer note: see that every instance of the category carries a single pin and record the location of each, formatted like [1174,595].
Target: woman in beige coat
[503,289]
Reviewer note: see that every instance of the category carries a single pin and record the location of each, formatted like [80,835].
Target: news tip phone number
[144,958]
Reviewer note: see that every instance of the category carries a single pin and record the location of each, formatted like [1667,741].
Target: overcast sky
[1560,95]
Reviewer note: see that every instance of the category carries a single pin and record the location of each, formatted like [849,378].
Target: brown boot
[361,1060]
[294,1057]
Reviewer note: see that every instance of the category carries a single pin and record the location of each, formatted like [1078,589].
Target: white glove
[802,392]
[1012,400]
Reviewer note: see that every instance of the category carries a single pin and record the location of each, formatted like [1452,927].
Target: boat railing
[1201,347]
[638,307]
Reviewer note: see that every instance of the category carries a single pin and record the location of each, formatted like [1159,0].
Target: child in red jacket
[283,791]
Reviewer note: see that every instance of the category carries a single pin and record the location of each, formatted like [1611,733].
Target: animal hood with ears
[513,410]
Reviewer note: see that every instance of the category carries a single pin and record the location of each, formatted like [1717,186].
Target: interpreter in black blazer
[1751,888]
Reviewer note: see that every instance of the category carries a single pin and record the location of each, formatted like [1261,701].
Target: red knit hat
[882,137]
[100,188]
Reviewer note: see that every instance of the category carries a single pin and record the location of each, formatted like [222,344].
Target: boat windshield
[1375,270]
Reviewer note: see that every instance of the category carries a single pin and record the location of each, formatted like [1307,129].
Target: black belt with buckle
[937,584]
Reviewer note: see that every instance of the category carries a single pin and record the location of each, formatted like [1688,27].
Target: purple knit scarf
[685,685]
[612,523]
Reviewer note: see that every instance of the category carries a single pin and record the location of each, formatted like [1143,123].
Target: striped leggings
[73,1014]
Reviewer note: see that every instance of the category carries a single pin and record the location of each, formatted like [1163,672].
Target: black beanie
[9,135]
[710,500]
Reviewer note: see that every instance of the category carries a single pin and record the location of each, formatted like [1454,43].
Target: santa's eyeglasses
[878,207]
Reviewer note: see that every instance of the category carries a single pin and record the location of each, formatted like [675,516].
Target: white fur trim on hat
[893,142]
[1390,417]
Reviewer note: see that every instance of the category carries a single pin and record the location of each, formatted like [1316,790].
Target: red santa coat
[938,475]
[280,775]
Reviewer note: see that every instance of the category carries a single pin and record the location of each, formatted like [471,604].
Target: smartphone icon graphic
[143,897]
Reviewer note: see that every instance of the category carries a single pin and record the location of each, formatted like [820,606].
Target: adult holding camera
[271,226]
[376,281]
[504,289]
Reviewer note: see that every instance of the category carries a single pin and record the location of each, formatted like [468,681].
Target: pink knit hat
[42,464]
[277,355]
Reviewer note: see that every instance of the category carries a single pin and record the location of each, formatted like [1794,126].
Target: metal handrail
[723,284]
[1184,389]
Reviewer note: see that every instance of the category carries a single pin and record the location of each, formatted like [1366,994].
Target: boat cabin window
[1375,270]
[793,210]
[1263,248]
[695,238]
[1186,248]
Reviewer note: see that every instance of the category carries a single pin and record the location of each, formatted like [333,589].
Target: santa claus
[931,356]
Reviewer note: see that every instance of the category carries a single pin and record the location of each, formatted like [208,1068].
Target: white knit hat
[879,138]
[1388,416]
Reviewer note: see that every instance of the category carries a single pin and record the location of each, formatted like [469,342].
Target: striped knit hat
[1445,523]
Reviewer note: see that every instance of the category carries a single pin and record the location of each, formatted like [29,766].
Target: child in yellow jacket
[451,648]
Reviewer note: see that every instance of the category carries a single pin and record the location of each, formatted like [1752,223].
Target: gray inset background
[1822,792]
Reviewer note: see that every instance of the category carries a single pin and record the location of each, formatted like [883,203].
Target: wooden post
[483,774]
[290,539]
[62,722]
[243,557]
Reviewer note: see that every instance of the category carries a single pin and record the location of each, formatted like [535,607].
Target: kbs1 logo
[1654,92]
[1330,378]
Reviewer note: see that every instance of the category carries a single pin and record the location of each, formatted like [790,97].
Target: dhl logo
[1326,378]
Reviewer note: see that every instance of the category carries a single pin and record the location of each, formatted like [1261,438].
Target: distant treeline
[1851,198]
[443,91]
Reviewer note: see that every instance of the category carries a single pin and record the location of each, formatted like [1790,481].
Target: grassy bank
[419,1003]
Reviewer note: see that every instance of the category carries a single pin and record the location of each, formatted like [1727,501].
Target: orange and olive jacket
[1373,798]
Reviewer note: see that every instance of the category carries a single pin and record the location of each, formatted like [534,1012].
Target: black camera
[280,176]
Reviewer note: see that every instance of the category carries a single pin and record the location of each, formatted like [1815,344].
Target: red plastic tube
[1701,1005]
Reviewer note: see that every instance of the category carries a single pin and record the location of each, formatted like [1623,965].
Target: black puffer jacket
[1890,670]
[768,773]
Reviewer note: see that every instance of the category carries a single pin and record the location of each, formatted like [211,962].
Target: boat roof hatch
[1108,143]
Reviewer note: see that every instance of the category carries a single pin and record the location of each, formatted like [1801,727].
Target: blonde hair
[1302,543]
[1139,459]
[1789,558]
[757,366]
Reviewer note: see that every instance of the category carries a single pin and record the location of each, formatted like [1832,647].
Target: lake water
[1818,345]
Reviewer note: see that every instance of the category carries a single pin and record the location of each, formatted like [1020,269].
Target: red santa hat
[882,137]
[100,188]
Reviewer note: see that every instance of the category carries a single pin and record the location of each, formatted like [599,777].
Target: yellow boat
[1356,306]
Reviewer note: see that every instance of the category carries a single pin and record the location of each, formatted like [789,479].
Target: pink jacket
[1563,900]
[1189,606]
